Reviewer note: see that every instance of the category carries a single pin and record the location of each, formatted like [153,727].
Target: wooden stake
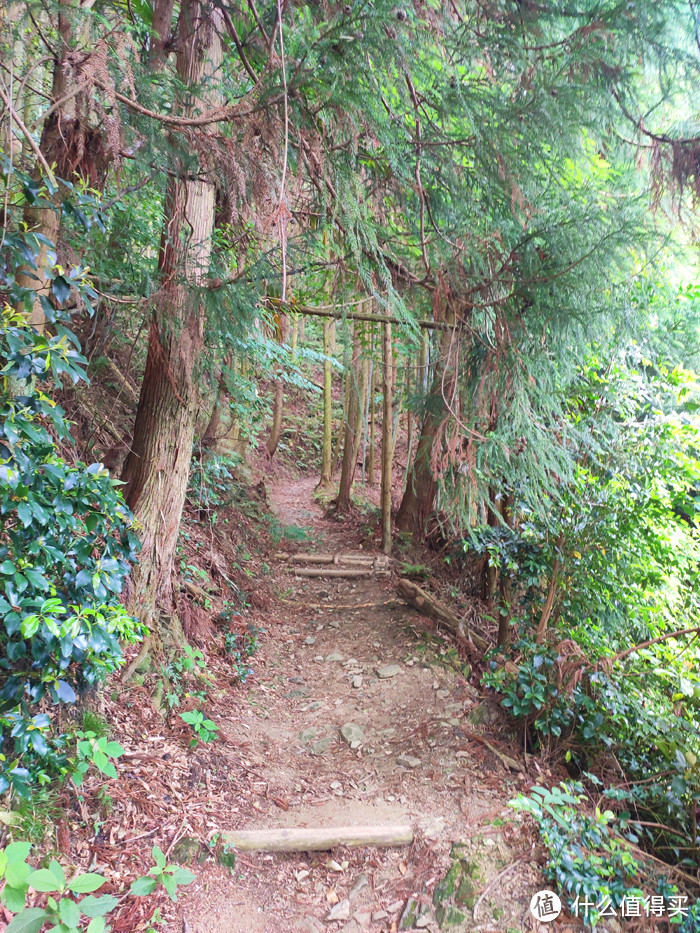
[386,440]
[327,457]
[305,839]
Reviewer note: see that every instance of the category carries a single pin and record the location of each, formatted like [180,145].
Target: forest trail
[347,654]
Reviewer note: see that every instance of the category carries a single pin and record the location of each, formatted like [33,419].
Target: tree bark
[71,145]
[157,468]
[418,500]
[551,592]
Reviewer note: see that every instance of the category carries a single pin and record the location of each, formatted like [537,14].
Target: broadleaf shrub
[66,543]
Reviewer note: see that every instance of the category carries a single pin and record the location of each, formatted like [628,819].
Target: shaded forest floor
[419,759]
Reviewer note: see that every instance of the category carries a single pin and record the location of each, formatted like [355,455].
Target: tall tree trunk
[418,500]
[327,456]
[157,468]
[387,450]
[66,142]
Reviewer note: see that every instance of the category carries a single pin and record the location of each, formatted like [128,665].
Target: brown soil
[267,772]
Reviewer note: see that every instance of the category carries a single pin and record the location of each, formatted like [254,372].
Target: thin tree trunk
[347,470]
[367,376]
[505,586]
[371,469]
[327,456]
[157,468]
[278,406]
[491,571]
[551,592]
[387,451]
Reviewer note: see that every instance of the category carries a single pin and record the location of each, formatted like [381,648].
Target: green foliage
[61,907]
[96,750]
[241,647]
[66,541]
[170,876]
[186,674]
[205,730]
[586,854]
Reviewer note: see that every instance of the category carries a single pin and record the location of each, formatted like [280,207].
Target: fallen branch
[489,887]
[505,760]
[647,644]
[304,839]
[427,605]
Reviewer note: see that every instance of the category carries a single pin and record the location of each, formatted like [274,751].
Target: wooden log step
[339,572]
[310,839]
[340,558]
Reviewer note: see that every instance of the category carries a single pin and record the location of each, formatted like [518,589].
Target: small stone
[379,915]
[424,921]
[186,850]
[310,640]
[361,883]
[352,734]
[408,917]
[362,919]
[489,842]
[357,681]
[335,656]
[408,761]
[442,694]
[296,680]
[308,735]
[376,644]
[389,670]
[304,873]
[393,908]
[334,623]
[308,925]
[341,911]
[321,746]
[298,692]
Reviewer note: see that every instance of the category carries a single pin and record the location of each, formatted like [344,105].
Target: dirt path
[343,655]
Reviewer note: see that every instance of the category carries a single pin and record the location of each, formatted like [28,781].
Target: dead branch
[427,605]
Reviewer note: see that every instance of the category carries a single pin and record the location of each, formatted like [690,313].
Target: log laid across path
[305,839]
